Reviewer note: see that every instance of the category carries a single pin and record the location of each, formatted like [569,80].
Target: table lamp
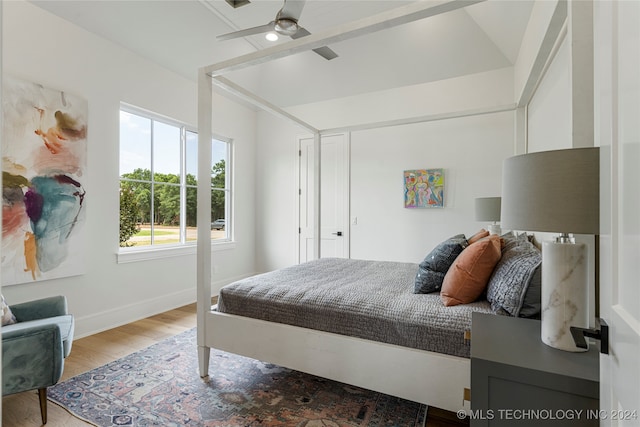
[557,191]
[488,209]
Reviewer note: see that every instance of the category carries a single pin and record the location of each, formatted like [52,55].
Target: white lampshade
[487,209]
[553,191]
[557,191]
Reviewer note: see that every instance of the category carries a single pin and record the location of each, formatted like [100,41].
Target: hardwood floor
[22,409]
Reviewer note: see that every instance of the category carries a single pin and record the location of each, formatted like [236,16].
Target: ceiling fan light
[286,27]
[271,36]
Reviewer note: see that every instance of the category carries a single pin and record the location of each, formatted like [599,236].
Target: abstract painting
[44,155]
[424,188]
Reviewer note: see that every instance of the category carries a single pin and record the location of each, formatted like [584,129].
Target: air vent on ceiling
[237,3]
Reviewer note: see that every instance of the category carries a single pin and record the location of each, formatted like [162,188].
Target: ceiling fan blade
[248,32]
[300,33]
[292,9]
[323,51]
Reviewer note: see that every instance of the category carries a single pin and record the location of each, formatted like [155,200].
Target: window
[158,182]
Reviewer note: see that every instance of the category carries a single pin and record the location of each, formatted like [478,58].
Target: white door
[617,121]
[334,198]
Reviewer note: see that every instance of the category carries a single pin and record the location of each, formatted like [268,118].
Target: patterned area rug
[160,386]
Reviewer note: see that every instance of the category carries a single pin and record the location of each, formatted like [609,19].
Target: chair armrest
[31,358]
[65,323]
[40,309]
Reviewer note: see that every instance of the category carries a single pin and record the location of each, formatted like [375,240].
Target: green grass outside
[164,236]
[147,233]
[148,242]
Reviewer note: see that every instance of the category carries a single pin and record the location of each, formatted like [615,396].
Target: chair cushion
[40,308]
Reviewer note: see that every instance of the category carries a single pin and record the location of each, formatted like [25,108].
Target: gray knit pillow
[435,265]
[509,284]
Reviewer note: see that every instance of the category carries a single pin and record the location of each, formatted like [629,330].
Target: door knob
[338,233]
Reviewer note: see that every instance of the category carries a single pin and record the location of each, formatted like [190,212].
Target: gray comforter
[373,300]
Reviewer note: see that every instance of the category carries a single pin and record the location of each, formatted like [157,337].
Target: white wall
[549,111]
[40,47]
[276,192]
[470,150]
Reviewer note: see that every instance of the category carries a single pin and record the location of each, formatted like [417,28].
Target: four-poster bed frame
[422,376]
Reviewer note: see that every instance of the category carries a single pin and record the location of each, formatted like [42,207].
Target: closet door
[334,199]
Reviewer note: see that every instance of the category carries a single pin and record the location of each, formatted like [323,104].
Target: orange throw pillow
[468,276]
[479,235]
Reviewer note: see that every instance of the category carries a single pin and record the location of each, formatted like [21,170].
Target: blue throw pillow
[435,265]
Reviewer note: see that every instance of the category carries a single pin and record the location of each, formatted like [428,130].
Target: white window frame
[150,252]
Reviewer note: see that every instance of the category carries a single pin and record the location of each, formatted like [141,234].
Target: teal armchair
[34,349]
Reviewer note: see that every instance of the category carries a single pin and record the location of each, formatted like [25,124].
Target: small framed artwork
[424,188]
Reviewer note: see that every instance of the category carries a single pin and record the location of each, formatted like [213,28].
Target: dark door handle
[338,233]
[601,332]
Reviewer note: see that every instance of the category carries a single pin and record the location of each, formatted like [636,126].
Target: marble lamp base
[565,301]
[494,229]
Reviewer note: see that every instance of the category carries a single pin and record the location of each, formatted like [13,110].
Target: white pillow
[7,316]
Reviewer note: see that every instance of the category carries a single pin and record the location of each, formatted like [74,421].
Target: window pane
[192,155]
[135,143]
[167,204]
[167,214]
[166,150]
[218,161]
[129,215]
[218,175]
[218,220]
[139,195]
[192,214]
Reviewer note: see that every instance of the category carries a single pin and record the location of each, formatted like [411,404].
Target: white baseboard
[123,314]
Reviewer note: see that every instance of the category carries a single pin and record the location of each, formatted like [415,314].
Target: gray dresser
[517,380]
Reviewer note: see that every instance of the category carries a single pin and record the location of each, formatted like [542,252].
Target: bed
[373,353]
[354,321]
[362,323]
[372,300]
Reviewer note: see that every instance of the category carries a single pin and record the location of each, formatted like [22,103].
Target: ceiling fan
[286,24]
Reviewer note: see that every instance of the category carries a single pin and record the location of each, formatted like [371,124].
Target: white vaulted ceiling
[181,36]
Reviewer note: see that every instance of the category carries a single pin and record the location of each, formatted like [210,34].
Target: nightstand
[517,380]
